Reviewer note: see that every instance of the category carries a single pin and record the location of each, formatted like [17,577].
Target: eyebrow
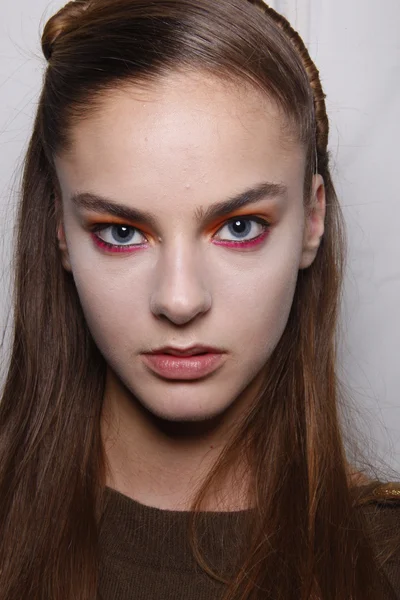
[94,202]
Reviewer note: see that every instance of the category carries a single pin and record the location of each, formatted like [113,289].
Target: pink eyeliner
[132,247]
[249,244]
[115,249]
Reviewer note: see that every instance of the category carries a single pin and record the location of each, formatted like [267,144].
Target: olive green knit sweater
[145,553]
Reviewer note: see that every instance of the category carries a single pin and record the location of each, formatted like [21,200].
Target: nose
[179,292]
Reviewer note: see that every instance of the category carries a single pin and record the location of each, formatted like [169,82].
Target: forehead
[187,131]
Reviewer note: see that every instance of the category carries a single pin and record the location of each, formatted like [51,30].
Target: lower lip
[183,367]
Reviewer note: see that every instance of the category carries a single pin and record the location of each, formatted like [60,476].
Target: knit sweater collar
[159,538]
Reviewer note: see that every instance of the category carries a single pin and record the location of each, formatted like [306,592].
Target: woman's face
[183,276]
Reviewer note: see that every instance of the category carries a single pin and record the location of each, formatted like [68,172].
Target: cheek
[113,306]
[259,290]
[256,305]
[110,291]
[277,301]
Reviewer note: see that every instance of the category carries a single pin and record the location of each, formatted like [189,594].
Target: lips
[190,364]
[190,351]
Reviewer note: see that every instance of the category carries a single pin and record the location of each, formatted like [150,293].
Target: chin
[187,412]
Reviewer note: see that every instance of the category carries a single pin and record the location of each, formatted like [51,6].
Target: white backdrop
[357,50]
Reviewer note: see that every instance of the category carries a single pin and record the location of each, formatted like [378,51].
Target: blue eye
[241,227]
[239,231]
[120,235]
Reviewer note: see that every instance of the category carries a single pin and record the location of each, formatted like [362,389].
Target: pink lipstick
[186,364]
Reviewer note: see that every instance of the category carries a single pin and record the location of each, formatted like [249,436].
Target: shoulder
[382,509]
[383,496]
[387,493]
[383,499]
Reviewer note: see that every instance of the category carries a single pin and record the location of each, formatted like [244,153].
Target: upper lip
[198,349]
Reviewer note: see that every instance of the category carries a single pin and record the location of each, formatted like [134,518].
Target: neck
[161,463]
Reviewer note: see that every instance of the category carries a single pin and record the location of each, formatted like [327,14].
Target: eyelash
[227,243]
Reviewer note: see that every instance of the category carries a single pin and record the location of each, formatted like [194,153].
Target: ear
[62,242]
[315,222]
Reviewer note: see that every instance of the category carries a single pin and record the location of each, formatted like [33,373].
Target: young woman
[169,423]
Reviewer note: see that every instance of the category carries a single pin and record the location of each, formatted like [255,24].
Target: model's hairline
[143,84]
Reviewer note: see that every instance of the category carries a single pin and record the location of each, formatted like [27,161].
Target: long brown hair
[52,463]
